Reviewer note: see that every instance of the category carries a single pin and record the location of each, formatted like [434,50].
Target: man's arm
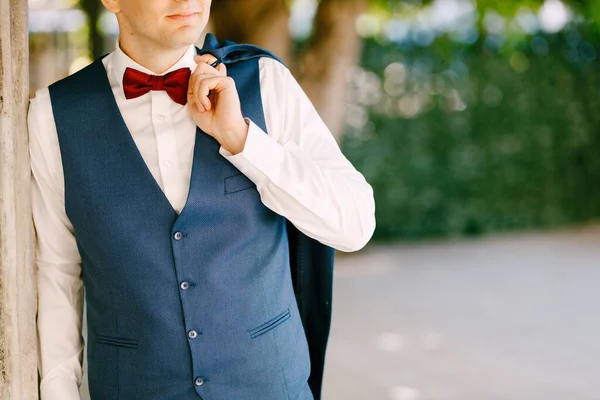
[299,169]
[59,281]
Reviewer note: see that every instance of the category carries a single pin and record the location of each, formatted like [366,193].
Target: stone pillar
[18,351]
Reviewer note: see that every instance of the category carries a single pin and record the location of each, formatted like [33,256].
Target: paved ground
[506,318]
[511,317]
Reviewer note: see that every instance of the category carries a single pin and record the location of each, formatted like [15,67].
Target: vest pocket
[237,183]
[270,324]
[117,341]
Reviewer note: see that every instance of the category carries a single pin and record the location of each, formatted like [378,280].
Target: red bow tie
[137,83]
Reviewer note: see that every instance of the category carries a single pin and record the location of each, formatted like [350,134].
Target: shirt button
[160,117]
[199,381]
[178,235]
[185,285]
[192,334]
[168,164]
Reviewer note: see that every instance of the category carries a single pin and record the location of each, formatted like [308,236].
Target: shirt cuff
[261,156]
[60,389]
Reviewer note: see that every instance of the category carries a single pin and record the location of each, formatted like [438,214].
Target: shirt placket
[166,145]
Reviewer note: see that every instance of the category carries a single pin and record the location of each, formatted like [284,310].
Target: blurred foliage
[465,138]
[589,8]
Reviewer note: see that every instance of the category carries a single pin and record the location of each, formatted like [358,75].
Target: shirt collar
[121,61]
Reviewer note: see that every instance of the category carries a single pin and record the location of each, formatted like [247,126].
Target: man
[165,193]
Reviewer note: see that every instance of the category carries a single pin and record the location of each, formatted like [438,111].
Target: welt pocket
[270,324]
[237,183]
[117,341]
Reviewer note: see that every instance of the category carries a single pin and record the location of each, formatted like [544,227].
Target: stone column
[18,351]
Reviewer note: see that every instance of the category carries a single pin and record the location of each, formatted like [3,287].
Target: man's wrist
[235,140]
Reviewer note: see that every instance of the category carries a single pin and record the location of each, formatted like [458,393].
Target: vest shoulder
[80,76]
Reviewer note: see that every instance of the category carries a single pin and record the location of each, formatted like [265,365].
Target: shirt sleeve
[299,169]
[57,260]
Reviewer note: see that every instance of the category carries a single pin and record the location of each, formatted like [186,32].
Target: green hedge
[512,140]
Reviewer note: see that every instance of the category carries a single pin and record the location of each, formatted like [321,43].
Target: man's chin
[178,41]
[186,36]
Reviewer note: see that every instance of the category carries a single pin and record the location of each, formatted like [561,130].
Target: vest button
[184,285]
[178,235]
[199,381]
[192,334]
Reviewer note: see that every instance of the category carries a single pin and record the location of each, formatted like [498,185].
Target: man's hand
[214,104]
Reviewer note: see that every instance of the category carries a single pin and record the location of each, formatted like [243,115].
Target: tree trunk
[260,22]
[18,344]
[333,52]
[322,69]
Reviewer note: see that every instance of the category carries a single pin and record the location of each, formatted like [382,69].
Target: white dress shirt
[298,170]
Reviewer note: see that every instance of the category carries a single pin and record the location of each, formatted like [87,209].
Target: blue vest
[205,304]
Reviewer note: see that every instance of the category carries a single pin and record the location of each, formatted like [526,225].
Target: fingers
[222,69]
[210,61]
[200,88]
[203,71]
[205,59]
[203,68]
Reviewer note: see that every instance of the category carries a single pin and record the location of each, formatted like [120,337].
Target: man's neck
[156,59]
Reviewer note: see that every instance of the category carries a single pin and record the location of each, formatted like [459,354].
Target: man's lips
[184,15]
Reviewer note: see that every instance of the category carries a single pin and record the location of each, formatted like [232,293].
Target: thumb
[222,69]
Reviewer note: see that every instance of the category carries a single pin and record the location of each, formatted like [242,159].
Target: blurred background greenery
[480,119]
[466,117]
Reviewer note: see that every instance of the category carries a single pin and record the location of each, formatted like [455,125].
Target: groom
[176,188]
